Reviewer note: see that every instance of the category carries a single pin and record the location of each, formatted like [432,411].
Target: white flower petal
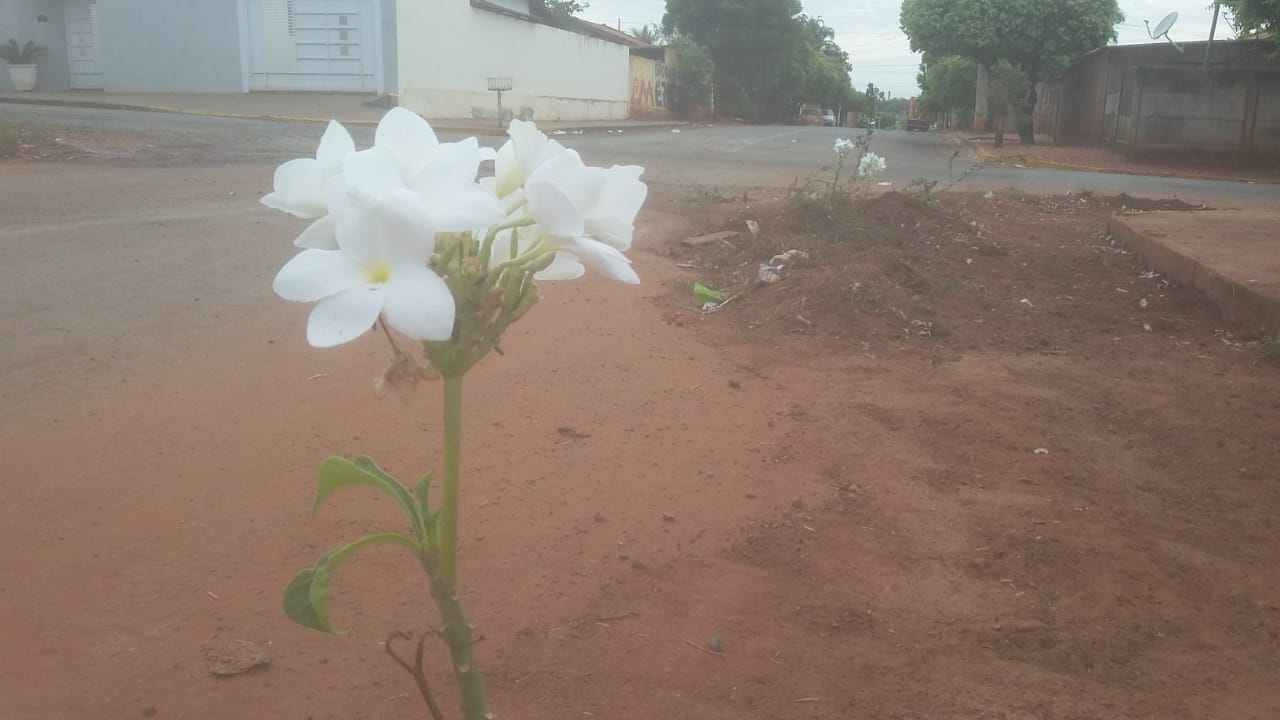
[604,259]
[419,304]
[564,267]
[335,145]
[319,235]
[611,230]
[507,177]
[623,194]
[581,184]
[554,212]
[409,138]
[346,316]
[315,274]
[373,171]
[299,189]
[450,164]
[464,208]
[393,231]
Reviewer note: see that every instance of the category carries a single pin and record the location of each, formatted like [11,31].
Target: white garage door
[313,44]
[82,44]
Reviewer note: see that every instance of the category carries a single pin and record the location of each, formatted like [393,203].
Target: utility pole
[1217,6]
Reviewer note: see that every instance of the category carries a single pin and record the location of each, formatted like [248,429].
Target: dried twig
[416,670]
[703,649]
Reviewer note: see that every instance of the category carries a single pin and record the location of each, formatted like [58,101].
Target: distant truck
[915,121]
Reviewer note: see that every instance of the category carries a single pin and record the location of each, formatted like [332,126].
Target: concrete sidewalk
[1232,256]
[1097,159]
[320,107]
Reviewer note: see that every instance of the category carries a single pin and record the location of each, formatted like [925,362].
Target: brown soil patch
[852,505]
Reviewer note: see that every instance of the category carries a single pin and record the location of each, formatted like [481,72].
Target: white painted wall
[447,51]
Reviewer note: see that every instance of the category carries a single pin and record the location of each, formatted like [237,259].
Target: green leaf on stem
[339,472]
[306,597]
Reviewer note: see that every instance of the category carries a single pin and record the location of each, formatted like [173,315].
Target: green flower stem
[444,582]
[447,530]
[457,633]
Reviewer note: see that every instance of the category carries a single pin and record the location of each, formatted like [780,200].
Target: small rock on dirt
[235,657]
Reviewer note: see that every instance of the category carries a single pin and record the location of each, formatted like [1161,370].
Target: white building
[437,56]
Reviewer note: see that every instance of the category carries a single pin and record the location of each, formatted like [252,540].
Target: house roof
[604,32]
[538,13]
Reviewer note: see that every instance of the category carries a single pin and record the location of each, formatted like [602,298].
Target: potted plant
[22,63]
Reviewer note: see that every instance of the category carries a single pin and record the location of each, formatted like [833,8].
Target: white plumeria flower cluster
[870,164]
[376,214]
[844,146]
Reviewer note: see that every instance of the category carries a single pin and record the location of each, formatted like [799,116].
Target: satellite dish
[1162,29]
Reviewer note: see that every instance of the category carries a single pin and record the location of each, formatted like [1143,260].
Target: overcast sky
[880,52]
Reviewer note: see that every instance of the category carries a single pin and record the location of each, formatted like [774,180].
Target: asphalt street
[725,157]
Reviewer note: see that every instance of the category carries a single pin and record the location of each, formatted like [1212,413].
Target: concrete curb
[1238,302]
[987,156]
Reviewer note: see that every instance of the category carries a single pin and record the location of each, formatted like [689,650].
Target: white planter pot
[23,77]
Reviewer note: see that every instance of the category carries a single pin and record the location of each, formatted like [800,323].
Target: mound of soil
[967,271]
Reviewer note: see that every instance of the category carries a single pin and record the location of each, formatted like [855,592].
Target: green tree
[950,85]
[1249,16]
[690,86]
[651,34]
[1041,38]
[823,38]
[1006,85]
[768,56]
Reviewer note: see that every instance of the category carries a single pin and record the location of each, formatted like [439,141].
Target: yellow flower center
[378,273]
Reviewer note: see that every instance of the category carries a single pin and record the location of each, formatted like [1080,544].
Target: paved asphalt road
[727,158]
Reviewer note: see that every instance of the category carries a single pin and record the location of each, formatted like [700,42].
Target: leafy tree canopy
[768,56]
[1040,37]
[1255,16]
[950,84]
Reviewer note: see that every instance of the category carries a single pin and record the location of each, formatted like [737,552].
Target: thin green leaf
[306,597]
[339,472]
[423,491]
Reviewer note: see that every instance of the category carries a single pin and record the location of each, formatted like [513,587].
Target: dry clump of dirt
[961,272]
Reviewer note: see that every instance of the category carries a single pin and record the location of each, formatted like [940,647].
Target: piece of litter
[559,132]
[705,295]
[769,274]
[317,376]
[1026,302]
[989,195]
[675,130]
[1122,290]
[788,256]
[1143,303]
[753,227]
[1042,451]
[968,261]
[1146,326]
[886,183]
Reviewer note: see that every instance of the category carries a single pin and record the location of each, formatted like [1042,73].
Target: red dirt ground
[837,475]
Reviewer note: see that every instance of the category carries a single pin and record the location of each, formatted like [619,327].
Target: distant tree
[823,38]
[1250,16]
[1006,84]
[567,8]
[1041,38]
[950,85]
[758,47]
[651,34]
[691,81]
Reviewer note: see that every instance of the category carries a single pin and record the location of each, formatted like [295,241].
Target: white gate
[313,44]
[82,44]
